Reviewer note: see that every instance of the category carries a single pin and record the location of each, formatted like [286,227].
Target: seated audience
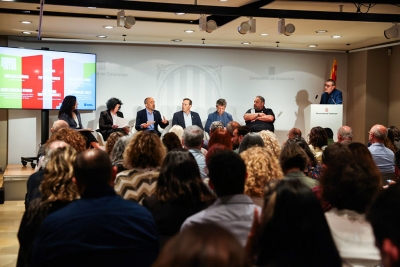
[112,139]
[220,136]
[171,141]
[100,228]
[293,133]
[238,134]
[262,166]
[329,133]
[117,154]
[271,142]
[396,136]
[57,190]
[385,220]
[231,126]
[389,140]
[180,193]
[108,119]
[205,244]
[214,126]
[293,161]
[313,169]
[318,141]
[345,133]
[143,158]
[57,125]
[178,130]
[232,210]
[350,188]
[293,230]
[383,156]
[193,140]
[250,140]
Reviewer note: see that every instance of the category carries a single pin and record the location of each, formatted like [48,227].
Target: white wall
[289,82]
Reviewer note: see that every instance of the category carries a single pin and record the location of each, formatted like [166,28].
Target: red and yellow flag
[334,70]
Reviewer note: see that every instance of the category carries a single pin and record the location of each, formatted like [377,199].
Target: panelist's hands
[164,120]
[114,126]
[144,125]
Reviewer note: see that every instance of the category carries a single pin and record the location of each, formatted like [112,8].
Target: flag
[334,70]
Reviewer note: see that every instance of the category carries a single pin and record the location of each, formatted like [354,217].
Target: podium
[330,116]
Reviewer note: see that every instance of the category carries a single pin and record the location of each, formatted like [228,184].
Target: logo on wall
[202,84]
[326,109]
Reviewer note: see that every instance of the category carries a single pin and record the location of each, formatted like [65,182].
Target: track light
[125,21]
[287,29]
[247,26]
[392,32]
[208,26]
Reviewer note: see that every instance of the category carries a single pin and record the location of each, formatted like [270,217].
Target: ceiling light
[26,22]
[313,45]
[336,36]
[223,0]
[321,31]
[247,26]
[108,27]
[26,32]
[208,26]
[179,13]
[92,7]
[176,40]
[287,29]
[264,34]
[101,36]
[189,31]
[246,43]
[392,32]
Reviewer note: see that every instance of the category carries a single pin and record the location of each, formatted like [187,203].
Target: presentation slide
[40,79]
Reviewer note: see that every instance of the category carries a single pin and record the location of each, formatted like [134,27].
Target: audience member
[318,141]
[250,140]
[389,140]
[178,130]
[271,142]
[293,133]
[350,188]
[293,230]
[112,139]
[385,220]
[329,133]
[262,166]
[57,190]
[293,161]
[396,136]
[192,141]
[238,134]
[99,229]
[220,136]
[313,167]
[57,125]
[232,209]
[345,133]
[383,156]
[231,126]
[171,141]
[205,244]
[219,115]
[117,154]
[143,158]
[180,193]
[214,126]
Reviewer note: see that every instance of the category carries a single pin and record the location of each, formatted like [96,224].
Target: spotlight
[205,25]
[392,32]
[247,26]
[287,29]
[125,21]
[129,22]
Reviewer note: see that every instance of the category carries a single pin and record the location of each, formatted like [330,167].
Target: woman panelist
[108,119]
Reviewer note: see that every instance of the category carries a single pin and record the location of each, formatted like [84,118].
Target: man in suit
[331,95]
[186,117]
[148,119]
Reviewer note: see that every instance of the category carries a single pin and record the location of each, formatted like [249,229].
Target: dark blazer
[71,122]
[335,98]
[141,117]
[106,123]
[178,119]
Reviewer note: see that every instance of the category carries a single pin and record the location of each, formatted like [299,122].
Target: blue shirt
[150,117]
[201,161]
[383,157]
[188,119]
[225,119]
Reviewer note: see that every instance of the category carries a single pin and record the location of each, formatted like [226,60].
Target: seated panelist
[149,118]
[108,119]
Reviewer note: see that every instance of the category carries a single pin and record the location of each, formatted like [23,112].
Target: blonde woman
[143,158]
[262,166]
[57,189]
[271,142]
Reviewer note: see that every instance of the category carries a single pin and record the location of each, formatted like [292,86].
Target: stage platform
[15,177]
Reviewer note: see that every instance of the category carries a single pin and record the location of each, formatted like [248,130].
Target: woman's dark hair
[303,144]
[346,181]
[220,136]
[67,105]
[318,137]
[180,178]
[201,245]
[171,141]
[294,231]
[389,140]
[112,103]
[249,140]
[396,133]
[292,156]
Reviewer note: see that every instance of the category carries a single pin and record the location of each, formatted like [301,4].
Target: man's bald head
[57,125]
[345,133]
[377,133]
[93,168]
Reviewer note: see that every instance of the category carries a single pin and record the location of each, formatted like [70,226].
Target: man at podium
[332,95]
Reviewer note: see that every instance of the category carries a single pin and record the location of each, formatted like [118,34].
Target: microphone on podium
[316,97]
